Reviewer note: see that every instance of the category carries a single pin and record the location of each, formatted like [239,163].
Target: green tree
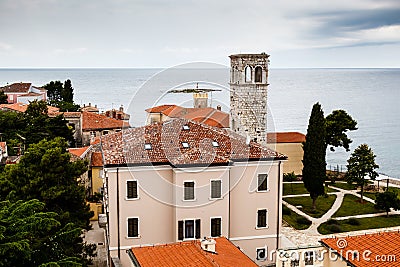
[3,98]
[61,95]
[290,177]
[360,164]
[386,201]
[46,173]
[314,170]
[30,236]
[337,124]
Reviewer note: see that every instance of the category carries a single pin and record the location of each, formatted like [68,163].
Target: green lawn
[323,204]
[364,224]
[345,186]
[295,220]
[351,206]
[299,189]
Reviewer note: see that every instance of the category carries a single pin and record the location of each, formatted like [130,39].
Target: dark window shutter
[215,227]
[262,218]
[132,189]
[262,182]
[198,228]
[133,227]
[216,189]
[180,230]
[188,190]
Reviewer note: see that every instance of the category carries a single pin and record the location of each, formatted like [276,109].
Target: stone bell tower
[248,96]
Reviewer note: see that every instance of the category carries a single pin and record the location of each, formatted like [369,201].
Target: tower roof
[249,55]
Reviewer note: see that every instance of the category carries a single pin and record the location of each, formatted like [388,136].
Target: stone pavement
[96,236]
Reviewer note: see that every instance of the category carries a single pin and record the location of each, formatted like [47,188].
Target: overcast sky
[157,33]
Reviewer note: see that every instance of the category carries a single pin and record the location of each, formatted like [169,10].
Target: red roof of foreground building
[16,88]
[181,142]
[93,121]
[79,152]
[286,137]
[379,244]
[190,253]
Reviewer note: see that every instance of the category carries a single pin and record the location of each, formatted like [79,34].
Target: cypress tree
[314,170]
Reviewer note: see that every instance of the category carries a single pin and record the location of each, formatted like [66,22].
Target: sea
[370,96]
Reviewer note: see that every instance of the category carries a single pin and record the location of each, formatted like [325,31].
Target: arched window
[247,73]
[258,75]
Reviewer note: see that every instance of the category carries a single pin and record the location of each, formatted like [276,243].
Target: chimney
[208,245]
[121,108]
[219,107]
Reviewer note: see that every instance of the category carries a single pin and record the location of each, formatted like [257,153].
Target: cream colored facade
[294,152]
[160,205]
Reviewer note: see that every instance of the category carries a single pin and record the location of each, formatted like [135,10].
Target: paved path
[96,236]
[311,233]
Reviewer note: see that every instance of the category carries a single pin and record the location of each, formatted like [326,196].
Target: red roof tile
[96,160]
[3,145]
[159,109]
[21,107]
[79,152]
[93,121]
[286,137]
[127,147]
[189,253]
[378,244]
[16,88]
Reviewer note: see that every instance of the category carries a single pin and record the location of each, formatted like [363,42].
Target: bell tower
[248,95]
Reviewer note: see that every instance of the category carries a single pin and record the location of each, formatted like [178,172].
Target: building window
[215,188]
[215,227]
[185,145]
[185,127]
[188,193]
[261,254]
[309,258]
[247,73]
[215,144]
[133,227]
[258,75]
[189,229]
[105,132]
[131,190]
[262,184]
[147,146]
[262,218]
[294,263]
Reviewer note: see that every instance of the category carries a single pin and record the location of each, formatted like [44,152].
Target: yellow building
[289,144]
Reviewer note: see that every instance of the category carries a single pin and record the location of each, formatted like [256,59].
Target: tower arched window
[258,74]
[247,73]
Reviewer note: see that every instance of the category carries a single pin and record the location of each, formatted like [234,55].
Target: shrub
[332,222]
[335,228]
[289,177]
[353,221]
[302,220]
[286,211]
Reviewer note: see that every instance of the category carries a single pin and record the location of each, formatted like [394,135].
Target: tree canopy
[3,98]
[47,174]
[360,165]
[386,201]
[337,124]
[314,170]
[61,95]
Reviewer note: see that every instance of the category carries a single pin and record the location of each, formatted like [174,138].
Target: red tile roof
[160,109]
[16,88]
[189,253]
[96,160]
[79,152]
[71,114]
[379,244]
[21,107]
[127,147]
[93,121]
[286,137]
[30,94]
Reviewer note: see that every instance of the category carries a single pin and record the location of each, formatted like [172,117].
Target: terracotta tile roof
[79,152]
[286,137]
[189,253]
[93,121]
[16,88]
[378,244]
[71,114]
[96,159]
[21,107]
[95,141]
[127,147]
[160,109]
